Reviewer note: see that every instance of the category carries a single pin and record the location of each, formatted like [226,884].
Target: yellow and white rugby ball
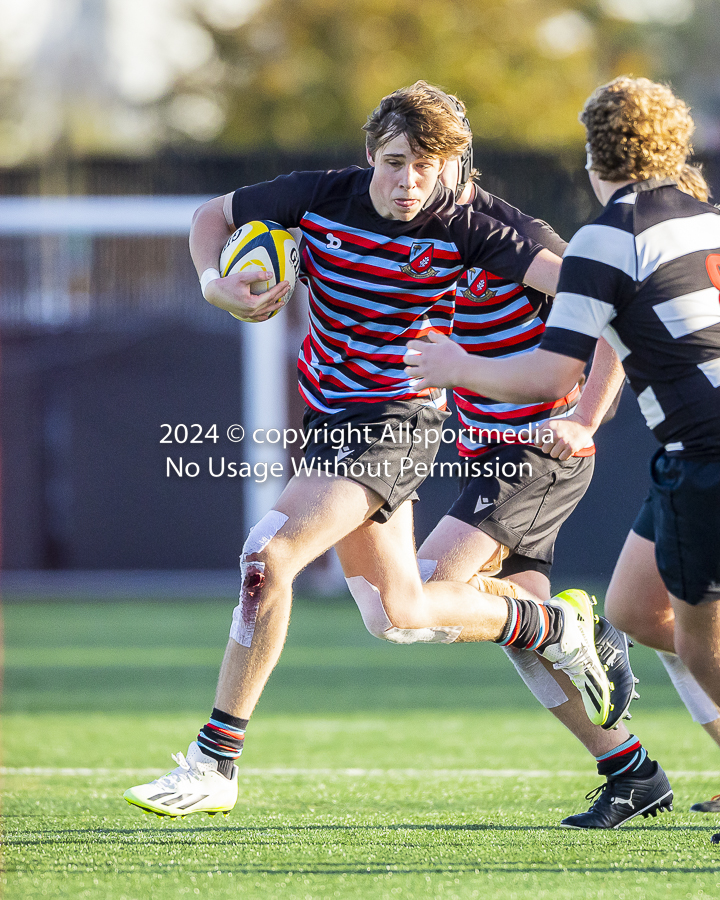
[262,245]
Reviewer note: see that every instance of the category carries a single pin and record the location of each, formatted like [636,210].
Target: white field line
[44,772]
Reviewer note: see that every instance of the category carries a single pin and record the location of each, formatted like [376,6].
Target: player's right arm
[209,231]
[284,200]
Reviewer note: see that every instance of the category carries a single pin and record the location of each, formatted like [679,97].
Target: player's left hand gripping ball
[265,246]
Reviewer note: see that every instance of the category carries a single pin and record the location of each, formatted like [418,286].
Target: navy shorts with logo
[681,515]
[388,447]
[521,499]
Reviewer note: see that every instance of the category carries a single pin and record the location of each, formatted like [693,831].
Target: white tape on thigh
[700,706]
[376,620]
[427,568]
[543,686]
[252,574]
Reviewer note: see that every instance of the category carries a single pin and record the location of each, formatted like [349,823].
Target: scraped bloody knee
[253,576]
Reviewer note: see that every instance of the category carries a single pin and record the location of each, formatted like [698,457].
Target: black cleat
[612,648]
[621,799]
[711,805]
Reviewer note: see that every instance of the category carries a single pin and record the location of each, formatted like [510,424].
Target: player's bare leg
[312,513]
[637,601]
[713,729]
[320,511]
[460,550]
[697,643]
[384,554]
[571,713]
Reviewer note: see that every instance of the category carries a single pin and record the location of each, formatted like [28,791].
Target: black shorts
[681,515]
[521,498]
[388,447]
[644,524]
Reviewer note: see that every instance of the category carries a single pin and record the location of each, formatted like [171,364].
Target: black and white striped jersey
[646,276]
[375,283]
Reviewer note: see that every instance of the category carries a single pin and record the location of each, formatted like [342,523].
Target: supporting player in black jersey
[521,515]
[509,523]
[383,249]
[646,275]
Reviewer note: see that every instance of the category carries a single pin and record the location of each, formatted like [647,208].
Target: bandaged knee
[252,573]
[699,705]
[377,622]
[537,678]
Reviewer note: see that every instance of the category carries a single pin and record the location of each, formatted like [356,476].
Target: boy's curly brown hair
[636,129]
[425,115]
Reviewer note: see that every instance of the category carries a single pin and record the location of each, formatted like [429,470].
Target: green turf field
[370,770]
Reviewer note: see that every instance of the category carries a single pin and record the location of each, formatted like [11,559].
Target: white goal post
[264,347]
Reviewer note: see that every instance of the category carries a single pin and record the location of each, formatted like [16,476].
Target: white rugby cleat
[195,786]
[576,654]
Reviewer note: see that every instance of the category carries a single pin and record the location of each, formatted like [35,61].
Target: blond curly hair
[636,129]
[691,180]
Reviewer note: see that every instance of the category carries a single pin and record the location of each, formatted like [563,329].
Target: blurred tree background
[308,71]
[88,77]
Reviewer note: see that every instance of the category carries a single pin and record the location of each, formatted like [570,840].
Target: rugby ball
[265,246]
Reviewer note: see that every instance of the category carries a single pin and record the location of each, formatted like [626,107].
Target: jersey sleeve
[284,200]
[596,275]
[486,243]
[525,225]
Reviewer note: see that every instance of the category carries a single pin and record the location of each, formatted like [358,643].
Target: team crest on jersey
[478,286]
[420,265]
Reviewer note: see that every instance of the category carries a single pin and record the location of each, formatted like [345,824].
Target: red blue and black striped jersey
[497,316]
[375,283]
[646,276]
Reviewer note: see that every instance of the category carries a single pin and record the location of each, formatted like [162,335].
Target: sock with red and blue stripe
[630,758]
[222,739]
[531,625]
